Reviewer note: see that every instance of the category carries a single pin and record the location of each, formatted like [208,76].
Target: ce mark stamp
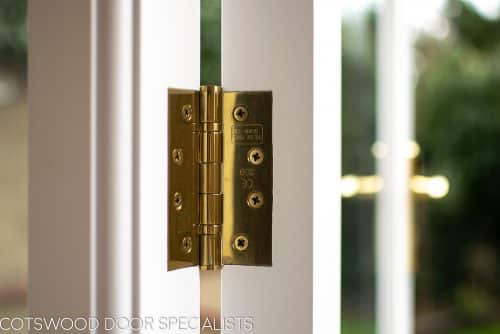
[247,177]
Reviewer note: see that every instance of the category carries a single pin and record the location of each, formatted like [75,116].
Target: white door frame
[327,167]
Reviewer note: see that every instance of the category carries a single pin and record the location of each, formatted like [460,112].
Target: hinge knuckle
[210,251]
[210,206]
[210,178]
[210,147]
[211,104]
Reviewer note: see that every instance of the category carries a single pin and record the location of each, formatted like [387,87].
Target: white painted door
[276,54]
[99,74]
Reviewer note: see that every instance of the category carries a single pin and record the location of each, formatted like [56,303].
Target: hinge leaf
[183,181]
[248,178]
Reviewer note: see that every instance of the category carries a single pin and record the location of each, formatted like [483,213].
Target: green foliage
[474,303]
[358,96]
[13,45]
[360,326]
[458,127]
[358,135]
[484,330]
[473,28]
[210,42]
[13,36]
[357,326]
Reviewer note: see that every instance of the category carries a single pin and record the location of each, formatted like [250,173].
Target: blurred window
[13,158]
[456,177]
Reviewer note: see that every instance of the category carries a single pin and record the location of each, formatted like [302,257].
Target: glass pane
[211,42]
[455,180]
[358,135]
[458,129]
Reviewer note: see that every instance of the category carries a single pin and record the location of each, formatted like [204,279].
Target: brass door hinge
[219,178]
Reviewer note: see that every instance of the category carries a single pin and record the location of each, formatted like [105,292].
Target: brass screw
[187,245]
[178,156]
[240,113]
[255,156]
[255,199]
[177,201]
[240,243]
[187,112]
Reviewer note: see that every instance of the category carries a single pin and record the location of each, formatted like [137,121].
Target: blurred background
[13,158]
[457,131]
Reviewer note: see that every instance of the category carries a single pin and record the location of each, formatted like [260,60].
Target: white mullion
[394,129]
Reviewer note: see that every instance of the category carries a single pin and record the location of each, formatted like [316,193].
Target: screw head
[255,199]
[187,112]
[240,113]
[240,243]
[178,156]
[255,155]
[187,245]
[177,201]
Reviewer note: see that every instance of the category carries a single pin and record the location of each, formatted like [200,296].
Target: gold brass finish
[255,200]
[177,201]
[183,179]
[255,156]
[177,155]
[218,142]
[187,112]
[240,243]
[187,244]
[209,140]
[242,177]
[240,113]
